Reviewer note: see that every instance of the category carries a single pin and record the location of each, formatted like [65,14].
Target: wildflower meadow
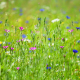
[39,39]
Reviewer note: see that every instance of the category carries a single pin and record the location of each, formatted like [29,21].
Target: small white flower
[2,5]
[12,1]
[63,69]
[57,64]
[49,56]
[52,44]
[55,20]
[28,40]
[66,39]
[3,42]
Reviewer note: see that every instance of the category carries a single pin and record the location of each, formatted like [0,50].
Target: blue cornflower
[9,42]
[78,41]
[0,44]
[67,17]
[42,10]
[77,28]
[76,22]
[21,14]
[49,39]
[38,18]
[67,27]
[78,56]
[20,10]
[27,21]
[23,36]
[30,51]
[14,8]
[5,34]
[0,22]
[48,67]
[75,51]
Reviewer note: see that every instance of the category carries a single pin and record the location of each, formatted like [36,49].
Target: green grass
[33,63]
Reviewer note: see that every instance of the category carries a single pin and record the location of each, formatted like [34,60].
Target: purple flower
[21,28]
[18,68]
[32,48]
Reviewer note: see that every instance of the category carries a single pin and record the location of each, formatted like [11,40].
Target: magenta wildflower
[63,39]
[61,46]
[32,48]
[70,30]
[7,30]
[22,39]
[12,48]
[21,28]
[5,47]
[18,68]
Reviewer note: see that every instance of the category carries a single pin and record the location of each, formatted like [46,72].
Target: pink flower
[62,38]
[18,68]
[5,47]
[32,48]
[70,30]
[22,39]
[61,46]
[12,48]
[21,28]
[7,30]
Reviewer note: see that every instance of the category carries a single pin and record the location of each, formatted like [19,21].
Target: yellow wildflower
[0,42]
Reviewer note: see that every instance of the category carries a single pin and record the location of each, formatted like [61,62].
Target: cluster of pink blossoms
[7,30]
[20,40]
[5,47]
[70,30]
